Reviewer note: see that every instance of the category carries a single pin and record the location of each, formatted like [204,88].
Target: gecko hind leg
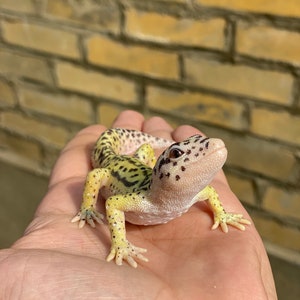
[146,155]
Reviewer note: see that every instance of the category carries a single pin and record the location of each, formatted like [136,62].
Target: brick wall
[231,68]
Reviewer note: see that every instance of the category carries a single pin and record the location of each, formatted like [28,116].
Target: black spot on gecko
[177,177]
[204,140]
[183,168]
[161,176]
[197,138]
[134,175]
[163,162]
[123,179]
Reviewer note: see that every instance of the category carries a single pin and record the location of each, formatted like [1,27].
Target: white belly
[153,218]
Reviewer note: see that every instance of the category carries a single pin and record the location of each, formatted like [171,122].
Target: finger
[78,139]
[74,160]
[184,131]
[129,119]
[157,126]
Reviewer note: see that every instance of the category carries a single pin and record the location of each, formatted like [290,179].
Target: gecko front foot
[127,252]
[235,220]
[88,215]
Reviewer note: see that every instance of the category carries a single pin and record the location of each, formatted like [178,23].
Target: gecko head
[190,164]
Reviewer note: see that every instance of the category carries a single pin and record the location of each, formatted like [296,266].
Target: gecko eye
[175,153]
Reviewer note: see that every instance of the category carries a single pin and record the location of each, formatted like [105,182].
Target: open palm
[187,260]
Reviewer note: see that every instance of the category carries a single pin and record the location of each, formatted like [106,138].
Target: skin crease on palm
[187,260]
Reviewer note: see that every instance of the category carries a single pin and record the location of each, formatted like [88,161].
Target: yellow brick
[278,7]
[25,6]
[276,124]
[20,151]
[107,113]
[7,94]
[154,63]
[94,83]
[197,106]
[269,85]
[268,43]
[260,156]
[24,66]
[103,16]
[208,33]
[72,108]
[282,202]
[50,134]
[243,188]
[41,38]
[277,233]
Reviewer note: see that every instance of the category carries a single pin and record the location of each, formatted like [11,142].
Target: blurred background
[230,68]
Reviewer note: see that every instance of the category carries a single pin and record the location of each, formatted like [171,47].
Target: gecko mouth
[218,149]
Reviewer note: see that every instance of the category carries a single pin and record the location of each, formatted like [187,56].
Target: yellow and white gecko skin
[145,196]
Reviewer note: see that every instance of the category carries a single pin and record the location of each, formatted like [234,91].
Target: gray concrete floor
[21,192]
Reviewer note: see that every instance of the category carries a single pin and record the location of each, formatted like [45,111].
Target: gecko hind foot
[235,220]
[88,216]
[126,252]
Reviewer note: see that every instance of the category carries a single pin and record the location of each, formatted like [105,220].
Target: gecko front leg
[95,179]
[121,248]
[221,217]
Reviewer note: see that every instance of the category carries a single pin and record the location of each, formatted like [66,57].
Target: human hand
[55,259]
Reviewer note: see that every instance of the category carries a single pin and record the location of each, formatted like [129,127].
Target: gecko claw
[88,216]
[126,252]
[235,220]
